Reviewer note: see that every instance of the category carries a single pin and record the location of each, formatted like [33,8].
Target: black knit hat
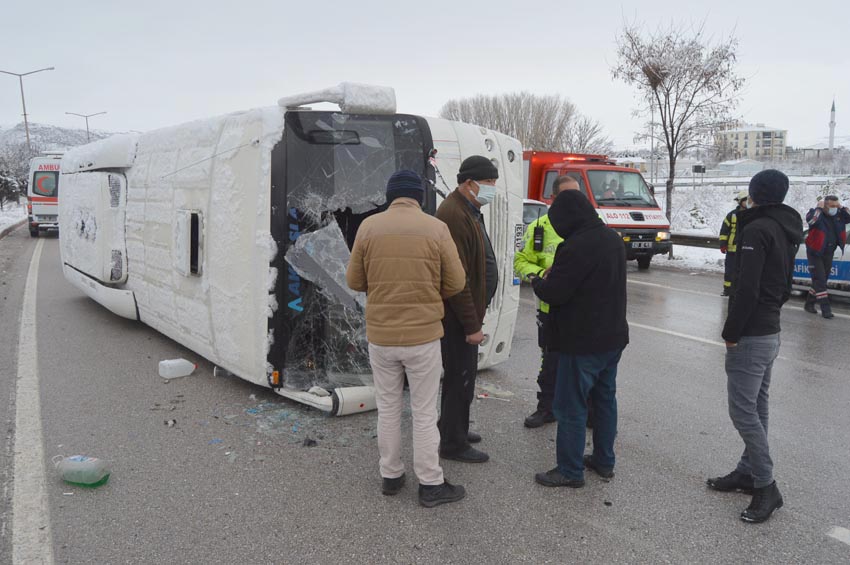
[768,187]
[405,184]
[477,168]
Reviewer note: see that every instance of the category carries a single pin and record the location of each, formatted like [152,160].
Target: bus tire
[643,262]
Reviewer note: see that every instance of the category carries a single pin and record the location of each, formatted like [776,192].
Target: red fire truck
[620,195]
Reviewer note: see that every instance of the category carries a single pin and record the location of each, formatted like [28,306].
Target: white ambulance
[43,193]
[231,235]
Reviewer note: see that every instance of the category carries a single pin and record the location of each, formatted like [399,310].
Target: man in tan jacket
[407,263]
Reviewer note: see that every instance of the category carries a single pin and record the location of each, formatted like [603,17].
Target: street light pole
[86,116]
[23,100]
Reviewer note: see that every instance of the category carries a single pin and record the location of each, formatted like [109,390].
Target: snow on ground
[700,210]
[11,214]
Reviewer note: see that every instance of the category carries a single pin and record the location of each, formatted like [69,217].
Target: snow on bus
[230,235]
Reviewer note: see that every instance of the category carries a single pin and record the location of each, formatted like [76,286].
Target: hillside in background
[46,137]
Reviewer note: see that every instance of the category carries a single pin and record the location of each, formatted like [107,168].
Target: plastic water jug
[173,368]
[82,471]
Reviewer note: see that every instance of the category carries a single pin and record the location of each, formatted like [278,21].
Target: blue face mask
[486,193]
[832,211]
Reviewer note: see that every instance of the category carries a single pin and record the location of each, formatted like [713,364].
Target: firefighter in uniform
[728,245]
[536,258]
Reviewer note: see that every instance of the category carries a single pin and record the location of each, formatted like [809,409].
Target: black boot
[539,418]
[431,496]
[765,501]
[733,482]
[810,304]
[826,309]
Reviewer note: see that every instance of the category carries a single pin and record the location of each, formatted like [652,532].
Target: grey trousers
[748,368]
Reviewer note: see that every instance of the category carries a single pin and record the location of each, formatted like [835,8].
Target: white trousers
[423,366]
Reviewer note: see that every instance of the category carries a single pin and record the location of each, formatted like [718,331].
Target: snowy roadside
[691,259]
[11,214]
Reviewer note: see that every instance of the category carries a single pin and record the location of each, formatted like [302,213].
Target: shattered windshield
[334,170]
[618,188]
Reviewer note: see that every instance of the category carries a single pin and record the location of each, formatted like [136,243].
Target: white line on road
[841,534]
[677,334]
[656,285]
[31,540]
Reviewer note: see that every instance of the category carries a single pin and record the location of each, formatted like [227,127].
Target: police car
[839,278]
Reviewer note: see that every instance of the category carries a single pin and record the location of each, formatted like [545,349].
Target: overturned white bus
[231,235]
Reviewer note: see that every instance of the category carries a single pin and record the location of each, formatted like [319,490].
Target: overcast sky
[152,64]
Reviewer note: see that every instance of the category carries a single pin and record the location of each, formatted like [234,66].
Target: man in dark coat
[464,318]
[586,290]
[827,232]
[770,234]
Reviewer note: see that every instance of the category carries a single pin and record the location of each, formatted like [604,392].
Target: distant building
[740,167]
[638,163]
[752,142]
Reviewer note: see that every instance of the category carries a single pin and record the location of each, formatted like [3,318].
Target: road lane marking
[31,540]
[677,334]
[656,285]
[841,534]
[700,293]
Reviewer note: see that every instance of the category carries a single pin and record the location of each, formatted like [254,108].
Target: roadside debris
[170,423]
[175,368]
[493,391]
[82,471]
[309,442]
[486,396]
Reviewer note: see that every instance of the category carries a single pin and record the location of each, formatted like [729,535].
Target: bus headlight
[663,236]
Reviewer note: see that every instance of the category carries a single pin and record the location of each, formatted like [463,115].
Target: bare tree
[690,83]
[545,123]
[584,135]
[8,188]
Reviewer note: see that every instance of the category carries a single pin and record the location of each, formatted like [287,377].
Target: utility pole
[23,100]
[86,116]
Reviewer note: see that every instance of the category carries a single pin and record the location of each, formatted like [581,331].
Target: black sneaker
[539,418]
[471,455]
[604,472]
[392,486]
[810,307]
[733,482]
[826,310]
[765,501]
[473,437]
[434,495]
[554,478]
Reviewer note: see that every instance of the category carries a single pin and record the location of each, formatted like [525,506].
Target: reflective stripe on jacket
[729,231]
[527,261]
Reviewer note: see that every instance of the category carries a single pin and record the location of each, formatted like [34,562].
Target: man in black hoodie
[770,232]
[586,291]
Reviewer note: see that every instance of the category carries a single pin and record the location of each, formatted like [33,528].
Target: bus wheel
[33,233]
[643,262]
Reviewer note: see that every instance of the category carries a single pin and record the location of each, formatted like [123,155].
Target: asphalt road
[232,482]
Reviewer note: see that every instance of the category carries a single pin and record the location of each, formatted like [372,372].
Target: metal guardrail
[705,241]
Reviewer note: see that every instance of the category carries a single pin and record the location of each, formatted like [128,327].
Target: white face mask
[749,204]
[832,211]
[486,193]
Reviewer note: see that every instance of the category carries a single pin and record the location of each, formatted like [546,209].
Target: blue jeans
[748,370]
[581,377]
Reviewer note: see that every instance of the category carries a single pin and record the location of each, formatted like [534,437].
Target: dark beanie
[477,168]
[768,187]
[405,184]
